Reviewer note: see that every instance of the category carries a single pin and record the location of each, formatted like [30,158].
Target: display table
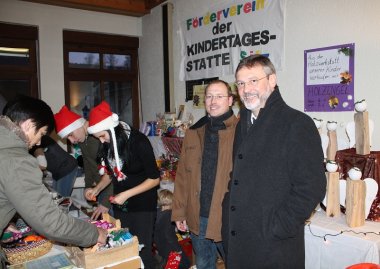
[57,261]
[323,250]
[65,257]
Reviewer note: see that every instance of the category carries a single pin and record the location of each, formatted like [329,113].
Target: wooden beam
[149,4]
[136,8]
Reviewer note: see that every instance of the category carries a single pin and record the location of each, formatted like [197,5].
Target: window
[18,63]
[102,67]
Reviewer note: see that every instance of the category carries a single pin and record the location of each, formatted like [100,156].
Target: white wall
[51,21]
[308,25]
[151,65]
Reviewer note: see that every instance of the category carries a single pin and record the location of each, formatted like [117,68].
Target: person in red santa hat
[128,161]
[73,127]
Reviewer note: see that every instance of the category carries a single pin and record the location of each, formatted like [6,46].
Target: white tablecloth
[343,250]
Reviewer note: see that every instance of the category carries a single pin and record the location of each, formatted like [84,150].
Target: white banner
[214,41]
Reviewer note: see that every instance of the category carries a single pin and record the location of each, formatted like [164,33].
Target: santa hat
[67,121]
[102,119]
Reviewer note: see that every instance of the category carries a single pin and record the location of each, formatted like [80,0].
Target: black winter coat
[277,181]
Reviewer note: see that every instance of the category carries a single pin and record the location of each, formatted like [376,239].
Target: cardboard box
[116,222]
[131,264]
[89,258]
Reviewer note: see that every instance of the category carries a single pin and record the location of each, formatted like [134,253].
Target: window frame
[102,44]
[21,36]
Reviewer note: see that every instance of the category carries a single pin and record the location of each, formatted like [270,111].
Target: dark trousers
[140,224]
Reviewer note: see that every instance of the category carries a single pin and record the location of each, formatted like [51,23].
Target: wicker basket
[26,253]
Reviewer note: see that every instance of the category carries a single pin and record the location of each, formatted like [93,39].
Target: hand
[99,211]
[182,225]
[102,238]
[90,194]
[119,198]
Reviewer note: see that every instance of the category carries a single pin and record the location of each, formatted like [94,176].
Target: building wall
[151,66]
[308,25]
[51,21]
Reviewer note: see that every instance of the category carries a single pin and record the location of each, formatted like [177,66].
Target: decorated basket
[21,254]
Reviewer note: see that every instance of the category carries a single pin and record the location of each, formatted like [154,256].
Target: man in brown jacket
[203,174]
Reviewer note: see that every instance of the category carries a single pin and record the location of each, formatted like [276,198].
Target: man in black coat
[278,175]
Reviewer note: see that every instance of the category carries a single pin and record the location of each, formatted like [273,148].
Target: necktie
[250,121]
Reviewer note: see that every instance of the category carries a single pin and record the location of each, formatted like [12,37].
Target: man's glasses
[252,82]
[215,97]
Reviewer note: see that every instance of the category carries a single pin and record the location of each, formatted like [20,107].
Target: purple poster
[329,78]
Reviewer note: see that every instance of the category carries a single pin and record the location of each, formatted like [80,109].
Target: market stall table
[58,257]
[62,257]
[326,247]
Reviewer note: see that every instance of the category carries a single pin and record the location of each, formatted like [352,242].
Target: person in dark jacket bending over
[203,174]
[278,175]
[73,127]
[25,121]
[63,167]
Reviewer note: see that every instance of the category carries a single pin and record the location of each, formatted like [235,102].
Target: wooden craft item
[371,192]
[355,202]
[332,194]
[332,146]
[362,140]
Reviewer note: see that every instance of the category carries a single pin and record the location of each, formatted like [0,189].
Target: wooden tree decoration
[361,118]
[332,146]
[333,190]
[355,198]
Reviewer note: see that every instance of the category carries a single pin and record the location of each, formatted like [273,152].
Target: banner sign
[215,40]
[329,78]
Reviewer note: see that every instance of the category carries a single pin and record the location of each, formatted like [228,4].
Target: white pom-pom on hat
[115,118]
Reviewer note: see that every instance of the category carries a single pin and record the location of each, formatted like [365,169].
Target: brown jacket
[187,186]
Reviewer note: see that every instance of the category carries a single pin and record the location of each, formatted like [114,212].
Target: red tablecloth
[173,145]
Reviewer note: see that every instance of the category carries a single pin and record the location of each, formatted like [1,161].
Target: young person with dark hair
[128,162]
[24,122]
